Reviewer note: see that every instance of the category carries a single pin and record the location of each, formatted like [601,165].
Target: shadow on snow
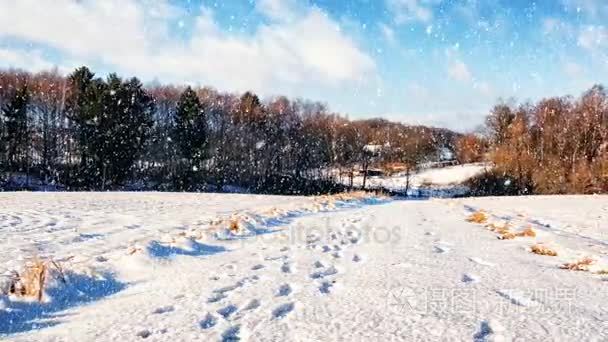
[22,316]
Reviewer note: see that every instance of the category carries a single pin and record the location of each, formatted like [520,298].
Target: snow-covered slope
[162,267]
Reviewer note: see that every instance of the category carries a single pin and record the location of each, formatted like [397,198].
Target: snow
[431,182]
[166,267]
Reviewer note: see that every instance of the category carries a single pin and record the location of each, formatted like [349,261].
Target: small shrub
[234,226]
[478,217]
[581,265]
[542,250]
[30,283]
[528,232]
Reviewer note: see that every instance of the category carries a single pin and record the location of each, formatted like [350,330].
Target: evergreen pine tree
[190,128]
[84,109]
[123,129]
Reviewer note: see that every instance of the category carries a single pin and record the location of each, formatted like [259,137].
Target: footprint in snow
[516,297]
[287,267]
[329,271]
[482,262]
[164,309]
[318,264]
[336,255]
[144,333]
[441,249]
[253,304]
[469,278]
[227,311]
[326,286]
[216,297]
[284,290]
[282,310]
[231,334]
[209,321]
[284,249]
[357,258]
[489,331]
[257,267]
[326,249]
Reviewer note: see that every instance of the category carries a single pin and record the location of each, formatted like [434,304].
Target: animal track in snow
[163,309]
[318,264]
[216,297]
[357,258]
[282,310]
[441,249]
[208,322]
[233,333]
[284,290]
[227,311]
[326,286]
[469,278]
[482,262]
[516,297]
[489,331]
[144,333]
[329,271]
[252,305]
[257,267]
[287,267]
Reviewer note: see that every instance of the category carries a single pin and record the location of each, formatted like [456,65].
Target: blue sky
[440,62]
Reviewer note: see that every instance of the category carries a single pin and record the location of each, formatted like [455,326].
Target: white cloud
[593,37]
[412,10]
[277,9]
[18,58]
[388,34]
[133,37]
[459,71]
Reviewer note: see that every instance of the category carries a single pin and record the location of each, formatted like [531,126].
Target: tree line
[84,132]
[557,145]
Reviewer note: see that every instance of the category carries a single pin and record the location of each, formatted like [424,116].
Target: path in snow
[399,271]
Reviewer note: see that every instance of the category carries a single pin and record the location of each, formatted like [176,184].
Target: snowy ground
[160,267]
[433,182]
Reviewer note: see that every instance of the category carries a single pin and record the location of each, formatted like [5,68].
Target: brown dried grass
[31,282]
[543,250]
[528,232]
[580,265]
[234,226]
[478,217]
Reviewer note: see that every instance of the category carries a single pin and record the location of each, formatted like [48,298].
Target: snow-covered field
[432,182]
[166,267]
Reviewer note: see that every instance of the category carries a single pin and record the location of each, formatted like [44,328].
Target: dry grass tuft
[542,250]
[507,235]
[528,232]
[478,217]
[581,265]
[234,226]
[30,283]
[602,272]
[134,249]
